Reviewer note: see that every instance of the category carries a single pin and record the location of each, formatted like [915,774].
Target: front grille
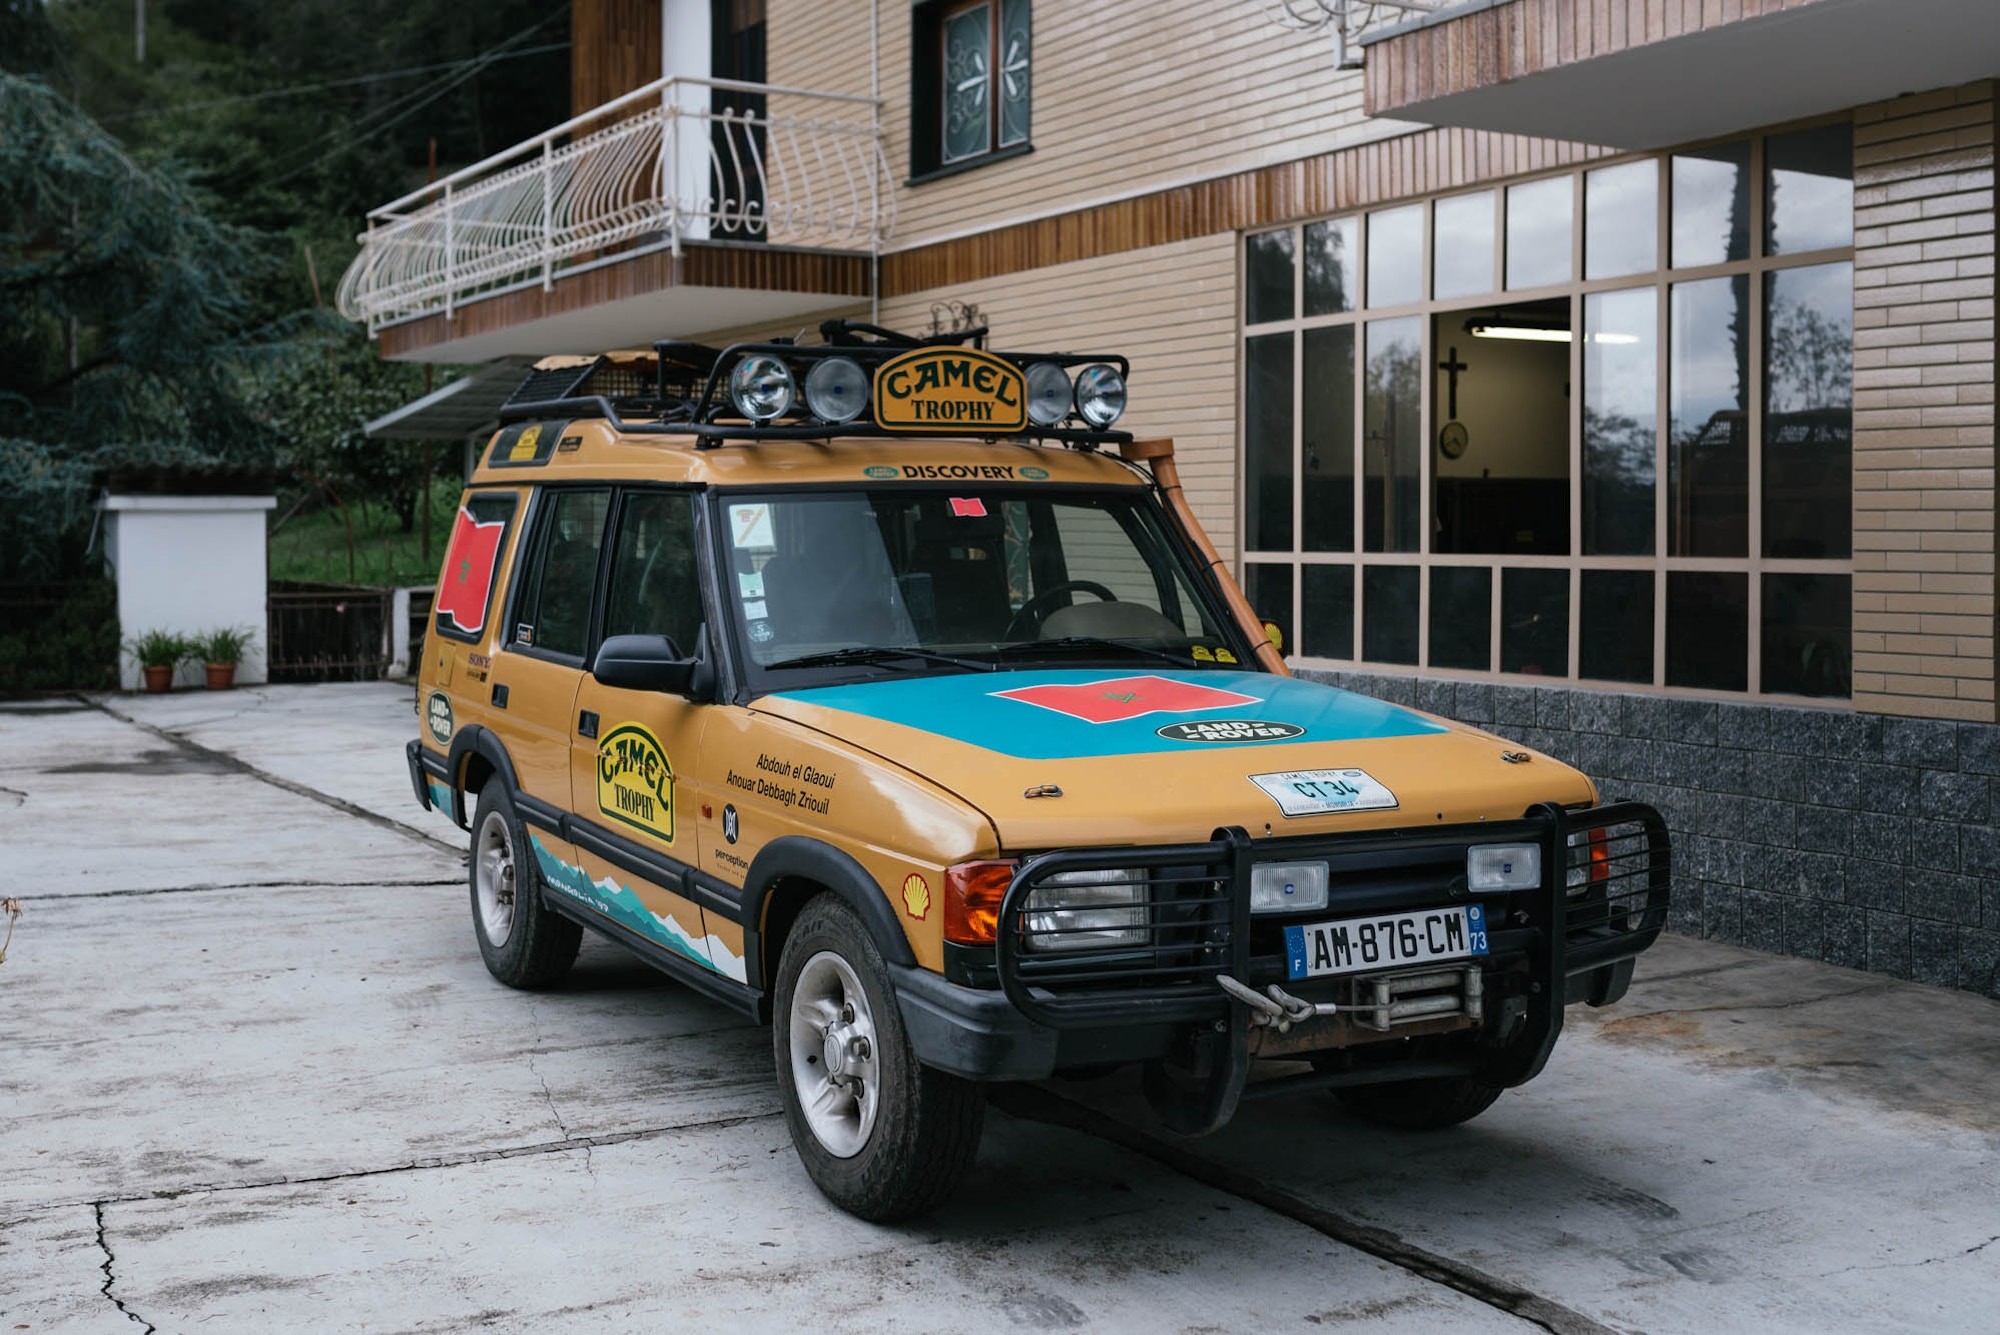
[1191,921]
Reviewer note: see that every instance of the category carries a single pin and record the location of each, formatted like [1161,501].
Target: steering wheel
[1035,608]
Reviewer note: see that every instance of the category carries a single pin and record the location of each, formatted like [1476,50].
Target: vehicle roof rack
[683,388]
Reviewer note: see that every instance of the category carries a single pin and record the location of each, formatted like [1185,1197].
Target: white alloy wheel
[494,877]
[833,1049]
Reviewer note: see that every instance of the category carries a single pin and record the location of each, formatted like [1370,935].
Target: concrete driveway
[254,1077]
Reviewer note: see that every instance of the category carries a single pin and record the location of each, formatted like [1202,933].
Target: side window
[655,586]
[465,584]
[553,612]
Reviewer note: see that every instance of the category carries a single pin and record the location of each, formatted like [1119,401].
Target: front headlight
[1503,867]
[1087,910]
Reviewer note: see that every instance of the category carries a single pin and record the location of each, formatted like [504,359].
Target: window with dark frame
[970,83]
[552,613]
[1511,349]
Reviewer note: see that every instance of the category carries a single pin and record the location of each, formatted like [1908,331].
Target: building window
[1594,425]
[971,66]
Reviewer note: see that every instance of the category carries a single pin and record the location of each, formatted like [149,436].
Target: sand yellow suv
[882,689]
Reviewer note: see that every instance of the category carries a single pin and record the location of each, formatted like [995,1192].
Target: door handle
[499,696]
[586,724]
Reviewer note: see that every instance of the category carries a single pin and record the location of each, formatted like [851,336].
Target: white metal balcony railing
[681,159]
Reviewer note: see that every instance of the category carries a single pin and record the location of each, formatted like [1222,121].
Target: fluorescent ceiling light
[1537,333]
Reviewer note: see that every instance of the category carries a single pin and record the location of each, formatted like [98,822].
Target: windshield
[907,580]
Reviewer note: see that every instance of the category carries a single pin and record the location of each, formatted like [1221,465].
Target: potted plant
[221,650]
[159,652]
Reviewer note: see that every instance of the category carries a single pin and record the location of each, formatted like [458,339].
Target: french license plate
[1360,945]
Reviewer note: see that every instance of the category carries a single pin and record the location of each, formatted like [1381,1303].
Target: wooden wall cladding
[1349,178]
[1512,41]
[614,48]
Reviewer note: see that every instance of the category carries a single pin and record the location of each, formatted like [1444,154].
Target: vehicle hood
[1143,756]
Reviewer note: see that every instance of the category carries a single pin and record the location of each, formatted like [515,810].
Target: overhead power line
[293,90]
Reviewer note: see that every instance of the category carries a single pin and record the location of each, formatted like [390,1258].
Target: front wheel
[882,1136]
[1420,1105]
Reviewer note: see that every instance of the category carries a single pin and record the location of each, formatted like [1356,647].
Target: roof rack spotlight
[761,387]
[1100,395]
[836,389]
[1049,394]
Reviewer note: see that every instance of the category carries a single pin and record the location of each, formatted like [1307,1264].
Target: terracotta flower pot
[158,678]
[221,676]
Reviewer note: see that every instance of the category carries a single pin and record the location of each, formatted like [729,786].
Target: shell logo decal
[635,781]
[916,896]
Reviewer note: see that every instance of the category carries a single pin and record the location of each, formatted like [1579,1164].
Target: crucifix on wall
[1452,437]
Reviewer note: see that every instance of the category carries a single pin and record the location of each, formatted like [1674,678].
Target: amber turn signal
[972,895]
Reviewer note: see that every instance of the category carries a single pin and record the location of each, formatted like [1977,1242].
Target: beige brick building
[1615,372]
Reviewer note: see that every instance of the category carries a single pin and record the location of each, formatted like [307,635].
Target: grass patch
[313,546]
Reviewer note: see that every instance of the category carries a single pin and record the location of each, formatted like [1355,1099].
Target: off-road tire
[1420,1105]
[541,945]
[926,1124]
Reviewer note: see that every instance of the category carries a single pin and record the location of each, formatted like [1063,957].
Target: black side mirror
[644,663]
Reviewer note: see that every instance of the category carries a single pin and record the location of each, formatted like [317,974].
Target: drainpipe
[1158,455]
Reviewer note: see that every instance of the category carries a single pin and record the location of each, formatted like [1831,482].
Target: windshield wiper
[1100,643]
[880,655]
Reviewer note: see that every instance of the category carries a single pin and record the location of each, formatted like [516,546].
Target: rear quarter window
[464,602]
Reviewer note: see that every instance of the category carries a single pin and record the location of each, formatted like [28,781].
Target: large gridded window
[1595,425]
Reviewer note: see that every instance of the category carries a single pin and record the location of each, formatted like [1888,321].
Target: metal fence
[321,632]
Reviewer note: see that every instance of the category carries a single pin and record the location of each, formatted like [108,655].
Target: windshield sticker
[750,526]
[1317,792]
[635,781]
[1116,699]
[761,632]
[929,389]
[1236,730]
[756,609]
[750,583]
[468,571]
[968,507]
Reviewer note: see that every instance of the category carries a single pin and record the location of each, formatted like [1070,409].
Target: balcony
[685,205]
[1639,74]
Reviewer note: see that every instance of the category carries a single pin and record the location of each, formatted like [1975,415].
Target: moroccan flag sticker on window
[468,572]
[1116,699]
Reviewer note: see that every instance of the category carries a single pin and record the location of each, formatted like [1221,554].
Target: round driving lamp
[836,390]
[1100,395]
[1048,394]
[761,387]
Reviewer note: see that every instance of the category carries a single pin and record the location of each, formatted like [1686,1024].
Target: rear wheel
[881,1135]
[523,943]
[1420,1105]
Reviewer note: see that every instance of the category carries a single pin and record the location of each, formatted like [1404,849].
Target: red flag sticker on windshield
[968,507]
[468,572]
[1119,698]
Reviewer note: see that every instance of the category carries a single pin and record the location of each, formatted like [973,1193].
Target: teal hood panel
[1078,713]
